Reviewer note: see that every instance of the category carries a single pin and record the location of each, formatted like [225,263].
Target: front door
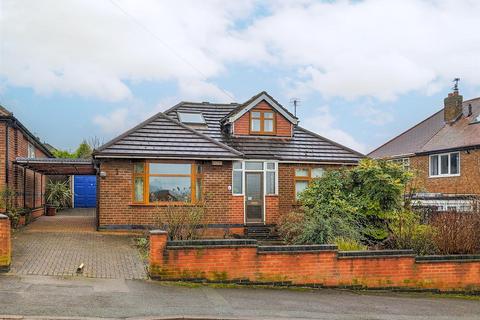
[254,197]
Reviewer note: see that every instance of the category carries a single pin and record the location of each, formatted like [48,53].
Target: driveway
[118,298]
[57,245]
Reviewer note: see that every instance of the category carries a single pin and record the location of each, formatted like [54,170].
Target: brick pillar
[158,244]
[5,244]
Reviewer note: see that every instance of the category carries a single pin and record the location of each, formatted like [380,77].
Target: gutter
[464,148]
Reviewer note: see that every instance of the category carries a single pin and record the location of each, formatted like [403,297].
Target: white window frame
[404,162]
[243,169]
[30,150]
[440,175]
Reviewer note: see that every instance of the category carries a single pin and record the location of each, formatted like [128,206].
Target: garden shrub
[457,232]
[328,210]
[354,204]
[407,232]
[345,244]
[181,222]
[290,226]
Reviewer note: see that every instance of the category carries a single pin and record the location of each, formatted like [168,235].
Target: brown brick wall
[5,243]
[223,208]
[467,183]
[283,126]
[321,267]
[18,147]
[116,207]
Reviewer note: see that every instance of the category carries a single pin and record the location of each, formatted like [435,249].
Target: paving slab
[57,246]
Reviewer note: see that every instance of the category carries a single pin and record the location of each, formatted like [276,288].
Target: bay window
[159,182]
[445,164]
[303,176]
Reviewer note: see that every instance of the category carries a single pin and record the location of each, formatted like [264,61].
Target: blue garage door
[85,191]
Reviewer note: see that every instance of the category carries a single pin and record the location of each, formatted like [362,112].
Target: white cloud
[324,123]
[114,122]
[91,48]
[374,115]
[347,49]
[373,48]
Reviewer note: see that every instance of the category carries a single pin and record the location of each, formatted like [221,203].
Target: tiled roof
[433,134]
[162,136]
[303,146]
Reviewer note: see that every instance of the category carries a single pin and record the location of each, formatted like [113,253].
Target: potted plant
[58,196]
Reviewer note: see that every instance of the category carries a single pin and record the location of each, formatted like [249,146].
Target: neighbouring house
[16,141]
[247,161]
[444,151]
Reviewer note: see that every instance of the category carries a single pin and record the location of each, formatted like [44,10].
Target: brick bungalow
[247,161]
[444,151]
[16,141]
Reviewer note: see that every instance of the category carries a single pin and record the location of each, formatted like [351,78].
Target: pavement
[57,245]
[48,297]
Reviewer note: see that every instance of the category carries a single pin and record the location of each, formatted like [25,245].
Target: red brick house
[444,151]
[16,141]
[248,161]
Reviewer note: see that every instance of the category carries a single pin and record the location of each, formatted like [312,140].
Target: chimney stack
[453,105]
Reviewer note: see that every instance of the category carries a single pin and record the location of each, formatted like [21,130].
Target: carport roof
[57,166]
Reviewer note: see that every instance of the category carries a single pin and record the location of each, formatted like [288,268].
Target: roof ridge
[407,130]
[331,141]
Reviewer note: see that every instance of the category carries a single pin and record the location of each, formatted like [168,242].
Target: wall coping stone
[298,248]
[376,253]
[158,232]
[212,243]
[2,216]
[441,258]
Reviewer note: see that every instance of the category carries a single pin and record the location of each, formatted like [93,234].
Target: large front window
[445,164]
[303,176]
[262,122]
[159,182]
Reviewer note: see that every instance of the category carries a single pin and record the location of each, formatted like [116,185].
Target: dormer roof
[241,109]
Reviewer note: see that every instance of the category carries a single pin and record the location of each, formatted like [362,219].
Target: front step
[261,232]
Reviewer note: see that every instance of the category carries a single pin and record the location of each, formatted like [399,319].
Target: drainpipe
[24,187]
[7,153]
[96,165]
[34,188]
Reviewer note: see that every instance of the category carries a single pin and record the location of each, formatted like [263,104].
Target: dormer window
[191,118]
[262,122]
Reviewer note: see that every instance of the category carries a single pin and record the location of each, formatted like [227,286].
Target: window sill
[444,176]
[163,204]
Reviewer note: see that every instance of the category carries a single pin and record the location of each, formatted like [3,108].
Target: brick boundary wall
[5,244]
[243,261]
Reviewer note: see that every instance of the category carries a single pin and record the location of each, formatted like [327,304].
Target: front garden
[368,207]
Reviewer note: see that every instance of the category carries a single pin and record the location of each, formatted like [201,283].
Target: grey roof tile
[164,136]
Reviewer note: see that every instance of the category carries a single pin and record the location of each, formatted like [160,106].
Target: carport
[58,167]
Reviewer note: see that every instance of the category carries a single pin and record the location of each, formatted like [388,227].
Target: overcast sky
[363,70]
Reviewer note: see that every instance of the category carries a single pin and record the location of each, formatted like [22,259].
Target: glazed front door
[254,197]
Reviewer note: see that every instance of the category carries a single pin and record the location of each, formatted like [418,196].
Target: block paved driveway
[56,246]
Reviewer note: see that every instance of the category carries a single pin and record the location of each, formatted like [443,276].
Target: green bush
[345,244]
[354,204]
[407,232]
